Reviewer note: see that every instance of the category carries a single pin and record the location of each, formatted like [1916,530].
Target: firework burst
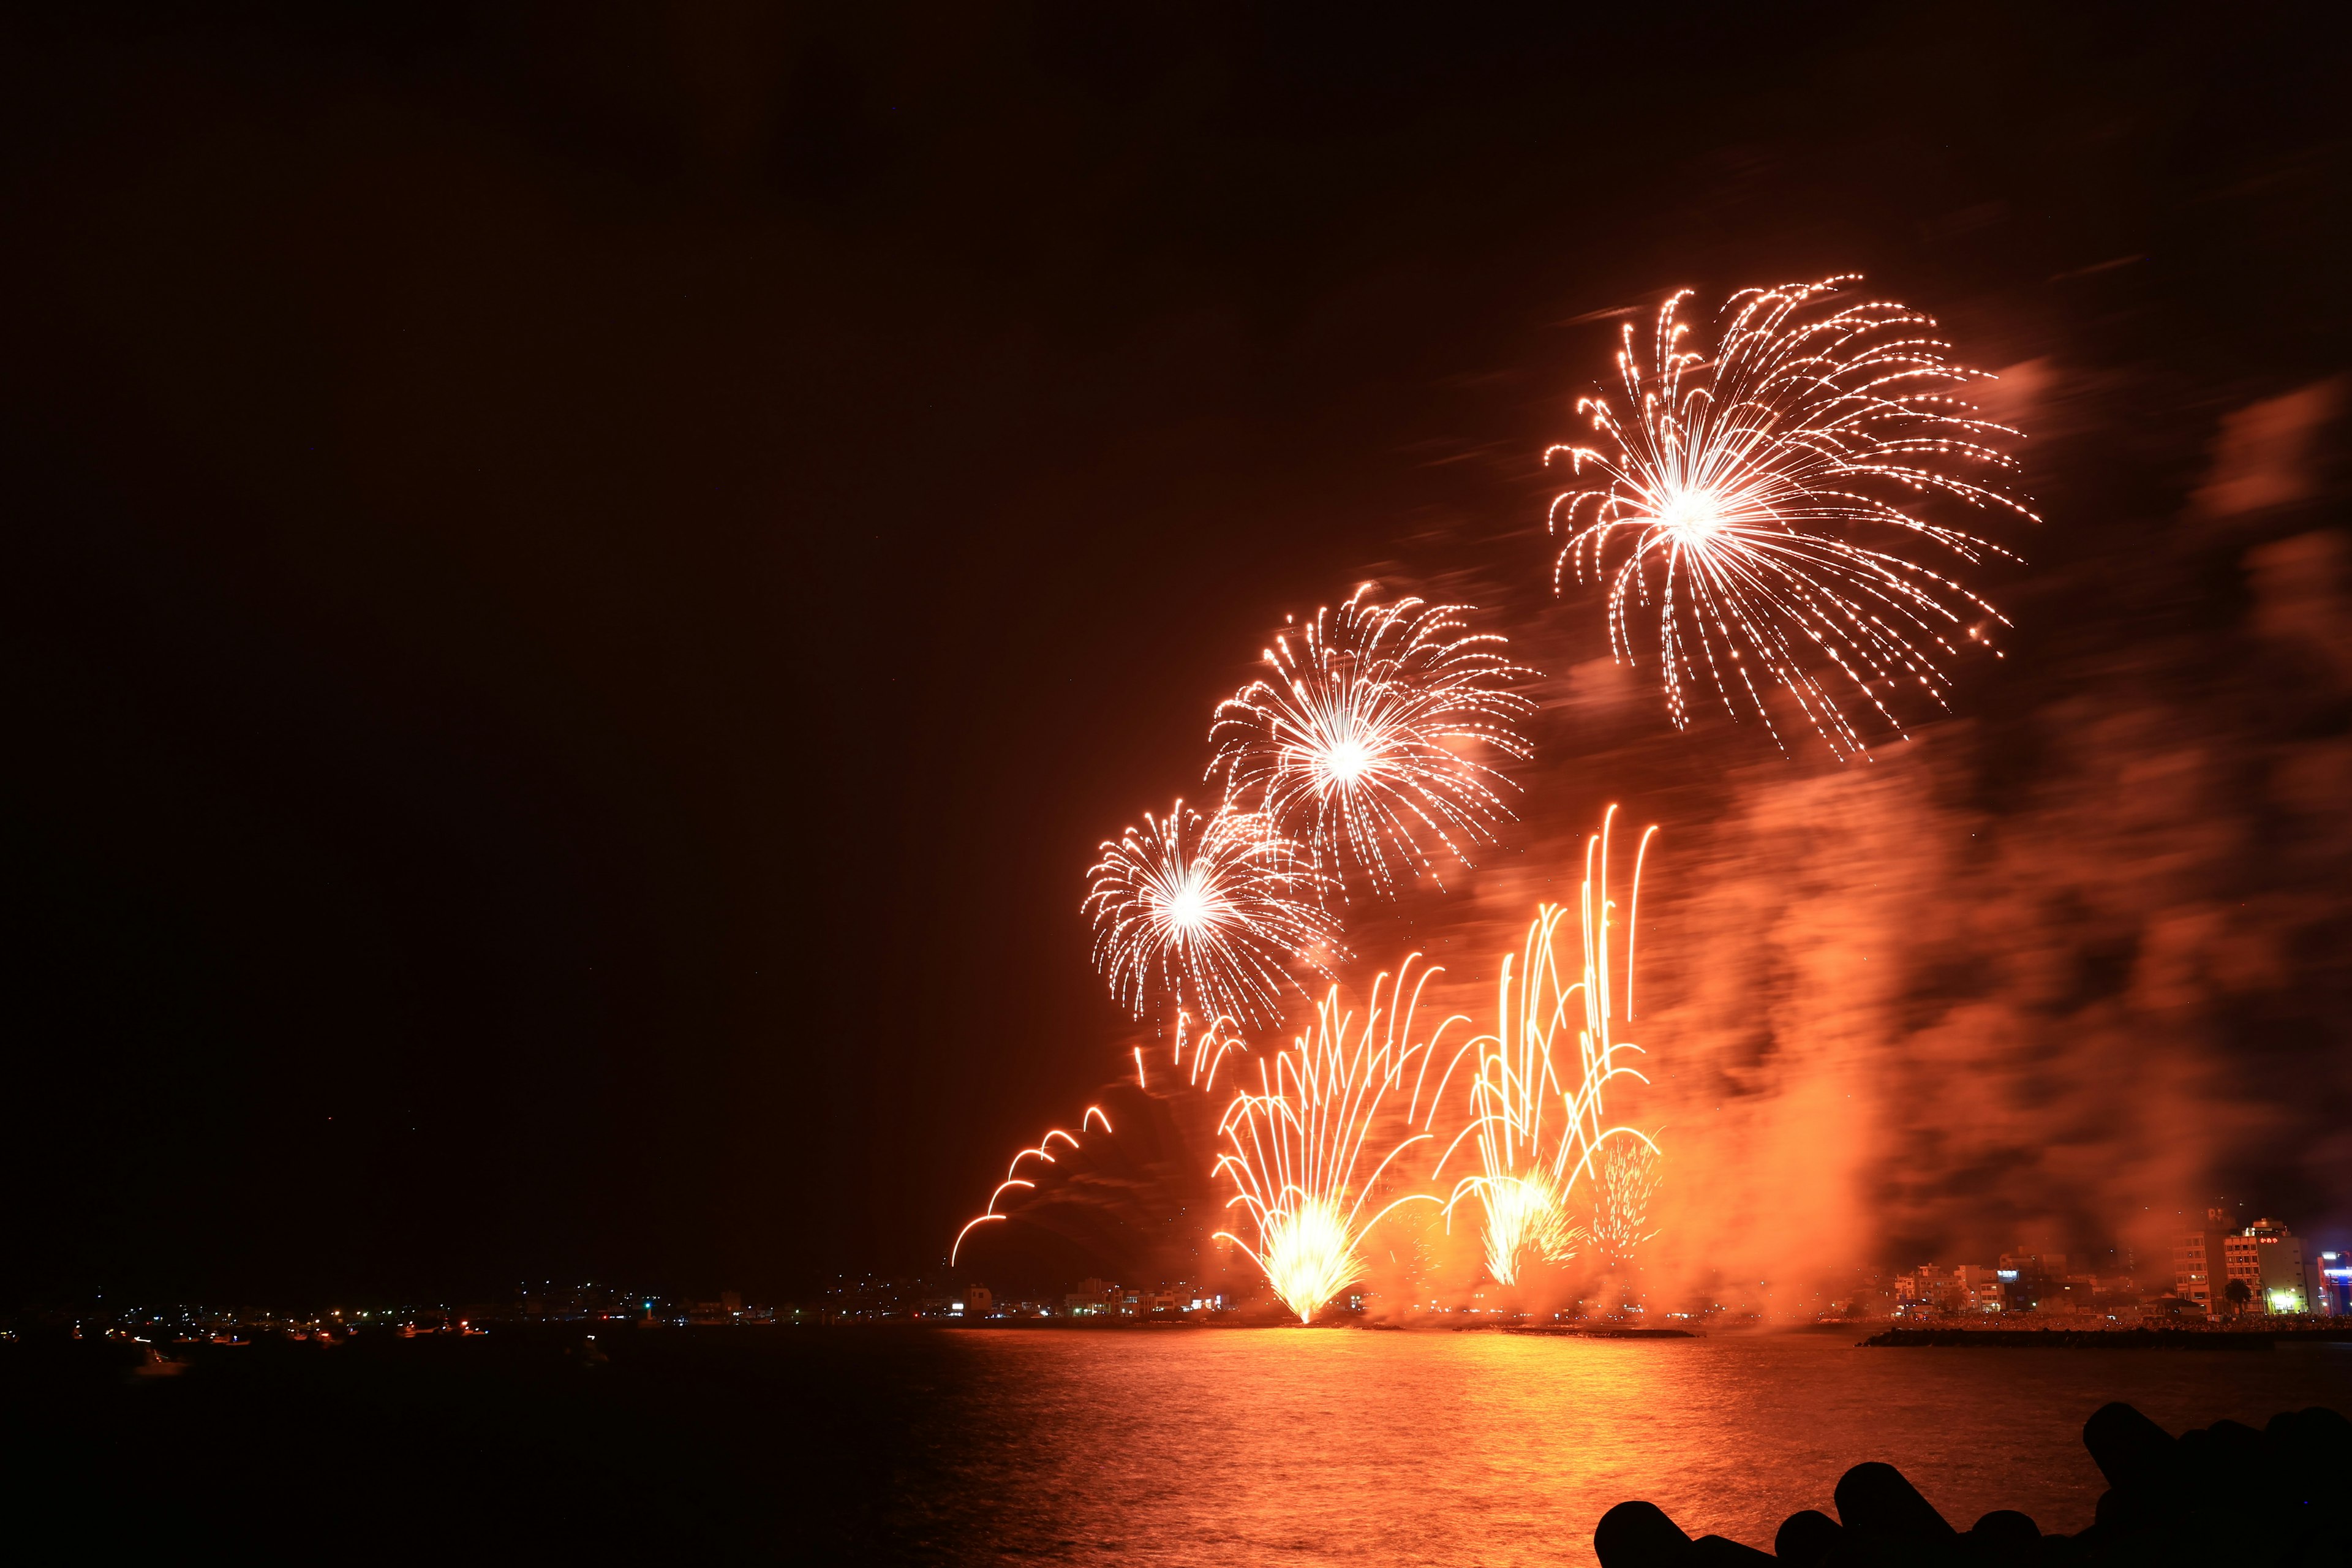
[1758,496]
[1363,741]
[1538,1120]
[1297,1145]
[1209,911]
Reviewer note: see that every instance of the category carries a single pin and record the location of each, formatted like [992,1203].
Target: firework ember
[1620,1205]
[1364,739]
[1043,1152]
[1296,1146]
[1209,911]
[1537,1120]
[1761,495]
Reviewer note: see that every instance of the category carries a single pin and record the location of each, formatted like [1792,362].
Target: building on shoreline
[2332,1284]
[2259,1269]
[2267,1257]
[2200,1266]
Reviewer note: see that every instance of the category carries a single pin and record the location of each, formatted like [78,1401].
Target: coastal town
[2256,1276]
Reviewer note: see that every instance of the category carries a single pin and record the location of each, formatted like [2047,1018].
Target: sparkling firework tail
[1357,746]
[1620,1206]
[1536,1136]
[1044,1153]
[1751,485]
[1297,1145]
[1208,911]
[1207,1049]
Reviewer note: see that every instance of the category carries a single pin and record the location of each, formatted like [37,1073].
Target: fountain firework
[1357,742]
[1539,1124]
[1297,1144]
[1750,481]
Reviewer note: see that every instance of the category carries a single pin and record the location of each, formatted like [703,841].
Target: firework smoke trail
[1210,910]
[1537,1137]
[1355,743]
[1012,1178]
[1296,1144]
[1749,482]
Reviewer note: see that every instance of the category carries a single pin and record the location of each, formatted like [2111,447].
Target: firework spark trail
[1207,1049]
[1210,910]
[1012,1178]
[1296,1144]
[1621,1207]
[1530,1159]
[1355,743]
[1746,483]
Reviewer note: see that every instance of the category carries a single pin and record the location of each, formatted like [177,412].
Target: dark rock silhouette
[2003,1536]
[2130,1449]
[2221,1493]
[1806,1537]
[1640,1536]
[1875,1499]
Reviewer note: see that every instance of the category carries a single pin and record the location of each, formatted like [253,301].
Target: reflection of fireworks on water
[1358,739]
[1014,1180]
[1748,482]
[1211,909]
[1537,1136]
[1620,1202]
[1297,1144]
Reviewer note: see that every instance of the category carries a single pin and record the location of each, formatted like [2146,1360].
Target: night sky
[584,580]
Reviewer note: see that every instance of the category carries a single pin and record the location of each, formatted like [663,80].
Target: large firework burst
[1207,912]
[1762,497]
[1364,739]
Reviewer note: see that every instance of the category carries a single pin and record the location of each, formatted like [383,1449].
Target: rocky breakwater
[2223,1493]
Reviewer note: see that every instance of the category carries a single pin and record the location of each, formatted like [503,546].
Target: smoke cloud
[2050,977]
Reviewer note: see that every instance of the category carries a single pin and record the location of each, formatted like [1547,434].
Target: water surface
[1151,1446]
[1324,1447]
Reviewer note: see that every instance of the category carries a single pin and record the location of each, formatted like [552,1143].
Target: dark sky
[584,580]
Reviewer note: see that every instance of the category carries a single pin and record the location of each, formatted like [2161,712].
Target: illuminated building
[2333,1286]
[1969,1287]
[1981,1289]
[2035,1281]
[2269,1258]
[1915,1292]
[2198,1267]
[1092,1299]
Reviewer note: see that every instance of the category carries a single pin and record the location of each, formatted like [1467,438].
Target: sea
[1043,1446]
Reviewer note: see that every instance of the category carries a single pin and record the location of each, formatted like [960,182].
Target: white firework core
[1762,497]
[1207,913]
[1364,743]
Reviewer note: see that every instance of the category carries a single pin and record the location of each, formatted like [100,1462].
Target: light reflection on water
[1307,1447]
